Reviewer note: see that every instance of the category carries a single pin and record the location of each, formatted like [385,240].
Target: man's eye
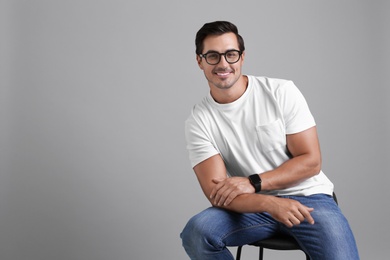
[232,54]
[212,56]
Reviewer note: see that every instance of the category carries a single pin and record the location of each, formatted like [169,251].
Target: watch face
[255,180]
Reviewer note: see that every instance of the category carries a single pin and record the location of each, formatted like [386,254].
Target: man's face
[222,75]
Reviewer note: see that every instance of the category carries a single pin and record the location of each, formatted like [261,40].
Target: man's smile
[223,73]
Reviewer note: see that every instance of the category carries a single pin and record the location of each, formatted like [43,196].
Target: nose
[223,60]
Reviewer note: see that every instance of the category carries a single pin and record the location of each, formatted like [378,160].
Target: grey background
[93,99]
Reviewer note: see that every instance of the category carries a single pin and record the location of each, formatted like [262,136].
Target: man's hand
[227,189]
[289,212]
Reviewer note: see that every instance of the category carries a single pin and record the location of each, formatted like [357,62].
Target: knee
[193,232]
[192,237]
[200,231]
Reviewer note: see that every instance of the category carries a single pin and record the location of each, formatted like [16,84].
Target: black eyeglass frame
[219,56]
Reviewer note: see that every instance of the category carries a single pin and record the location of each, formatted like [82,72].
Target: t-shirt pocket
[271,136]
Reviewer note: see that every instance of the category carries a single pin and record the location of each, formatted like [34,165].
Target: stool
[278,242]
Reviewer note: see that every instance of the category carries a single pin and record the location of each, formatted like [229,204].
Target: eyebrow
[214,51]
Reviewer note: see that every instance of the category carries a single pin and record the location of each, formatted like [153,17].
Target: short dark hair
[216,28]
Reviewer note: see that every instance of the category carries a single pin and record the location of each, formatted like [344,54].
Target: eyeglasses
[213,57]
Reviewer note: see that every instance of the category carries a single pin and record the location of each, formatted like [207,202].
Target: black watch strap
[255,180]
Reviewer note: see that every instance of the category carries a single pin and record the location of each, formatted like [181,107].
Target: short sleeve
[199,144]
[296,112]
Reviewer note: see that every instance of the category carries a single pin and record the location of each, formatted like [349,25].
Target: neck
[229,95]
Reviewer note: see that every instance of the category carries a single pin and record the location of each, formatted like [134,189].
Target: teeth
[223,74]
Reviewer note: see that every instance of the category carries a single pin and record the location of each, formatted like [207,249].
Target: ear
[243,56]
[199,61]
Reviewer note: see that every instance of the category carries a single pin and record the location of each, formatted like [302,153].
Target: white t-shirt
[250,133]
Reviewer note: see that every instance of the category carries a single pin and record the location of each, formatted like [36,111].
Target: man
[253,145]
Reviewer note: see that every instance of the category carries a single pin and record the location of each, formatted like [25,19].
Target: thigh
[231,228]
[331,236]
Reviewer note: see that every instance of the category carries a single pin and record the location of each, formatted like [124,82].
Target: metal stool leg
[238,255]
[261,252]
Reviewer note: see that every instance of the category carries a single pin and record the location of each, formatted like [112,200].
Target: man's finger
[295,221]
[230,198]
[216,188]
[308,216]
[220,195]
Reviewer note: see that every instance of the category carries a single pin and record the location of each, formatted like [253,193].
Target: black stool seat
[280,242]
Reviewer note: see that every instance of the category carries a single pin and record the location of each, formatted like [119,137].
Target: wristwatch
[255,180]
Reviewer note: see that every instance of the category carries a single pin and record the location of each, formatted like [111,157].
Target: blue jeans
[207,234]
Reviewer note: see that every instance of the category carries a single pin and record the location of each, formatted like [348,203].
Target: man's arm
[289,212]
[305,163]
